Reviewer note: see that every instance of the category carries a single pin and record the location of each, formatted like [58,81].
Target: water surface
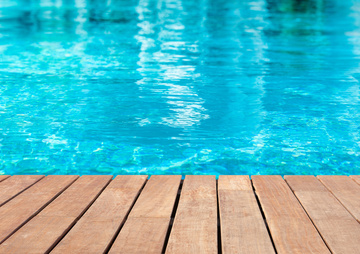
[179,87]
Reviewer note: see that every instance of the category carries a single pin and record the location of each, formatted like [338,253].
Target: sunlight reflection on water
[179,87]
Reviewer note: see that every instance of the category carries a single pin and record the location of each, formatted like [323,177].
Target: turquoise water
[179,87]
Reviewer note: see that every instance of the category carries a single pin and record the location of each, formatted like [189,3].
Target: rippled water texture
[179,87]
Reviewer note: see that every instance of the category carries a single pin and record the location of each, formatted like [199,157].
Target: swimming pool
[179,87]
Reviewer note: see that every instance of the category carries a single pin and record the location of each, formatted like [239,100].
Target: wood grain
[97,227]
[23,207]
[157,198]
[195,225]
[291,229]
[146,227]
[15,185]
[339,229]
[141,235]
[356,178]
[3,177]
[46,228]
[242,226]
[346,191]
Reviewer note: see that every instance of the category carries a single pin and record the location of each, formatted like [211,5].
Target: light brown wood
[39,217]
[145,230]
[346,191]
[97,227]
[195,225]
[356,178]
[242,226]
[339,229]
[23,207]
[291,229]
[141,235]
[3,177]
[157,198]
[15,185]
[46,228]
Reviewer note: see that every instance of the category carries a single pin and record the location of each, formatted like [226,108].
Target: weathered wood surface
[291,229]
[195,225]
[130,214]
[242,227]
[45,229]
[148,222]
[15,185]
[141,235]
[23,207]
[96,229]
[356,178]
[338,228]
[3,177]
[346,191]
[157,198]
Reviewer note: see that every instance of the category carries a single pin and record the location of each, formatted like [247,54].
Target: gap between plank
[308,216]
[125,218]
[263,215]
[38,211]
[343,205]
[172,218]
[218,218]
[77,219]
[22,190]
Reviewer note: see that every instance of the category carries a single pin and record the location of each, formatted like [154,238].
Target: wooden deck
[164,214]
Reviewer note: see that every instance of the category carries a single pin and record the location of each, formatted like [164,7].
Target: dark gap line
[17,194]
[38,211]
[172,218]
[353,179]
[77,218]
[125,219]
[218,219]
[333,194]
[263,215]
[307,215]
[5,178]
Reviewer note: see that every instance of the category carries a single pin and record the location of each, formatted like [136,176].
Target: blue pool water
[179,87]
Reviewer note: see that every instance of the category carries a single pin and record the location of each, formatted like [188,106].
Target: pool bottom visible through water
[179,87]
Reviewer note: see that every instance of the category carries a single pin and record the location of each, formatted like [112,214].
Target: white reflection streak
[81,17]
[261,138]
[352,95]
[58,3]
[258,46]
[80,4]
[185,106]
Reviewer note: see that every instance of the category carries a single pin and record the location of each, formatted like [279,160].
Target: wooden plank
[291,229]
[142,235]
[356,179]
[45,229]
[96,229]
[148,222]
[157,198]
[15,185]
[19,210]
[195,225]
[339,229]
[346,191]
[242,226]
[3,177]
